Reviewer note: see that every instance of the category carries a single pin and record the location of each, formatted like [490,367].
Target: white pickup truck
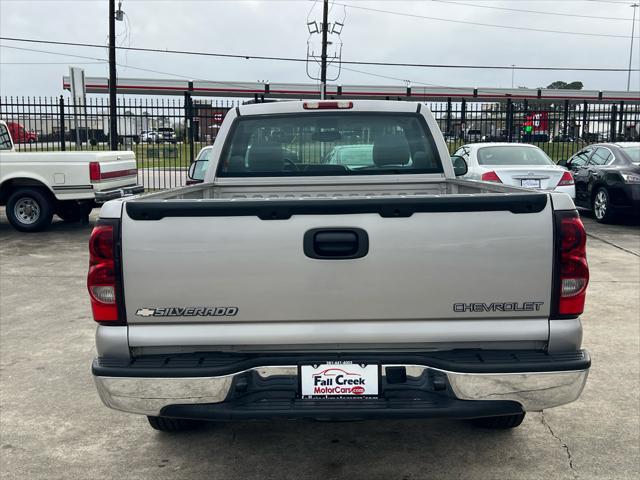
[35,185]
[332,266]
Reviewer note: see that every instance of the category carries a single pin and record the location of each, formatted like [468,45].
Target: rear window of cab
[344,143]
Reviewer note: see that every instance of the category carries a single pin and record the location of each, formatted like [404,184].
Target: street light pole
[113,119]
[323,56]
[633,29]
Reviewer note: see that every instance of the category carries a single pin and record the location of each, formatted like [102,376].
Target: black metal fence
[560,128]
[166,134]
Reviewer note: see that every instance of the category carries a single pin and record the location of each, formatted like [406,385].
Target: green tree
[560,85]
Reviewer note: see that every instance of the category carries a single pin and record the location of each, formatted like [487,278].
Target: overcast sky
[278,28]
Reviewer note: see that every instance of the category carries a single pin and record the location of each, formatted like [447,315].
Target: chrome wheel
[600,204]
[27,210]
[30,209]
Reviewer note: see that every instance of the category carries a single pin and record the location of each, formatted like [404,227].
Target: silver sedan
[517,164]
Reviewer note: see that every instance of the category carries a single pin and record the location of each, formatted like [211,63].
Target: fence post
[449,115]
[621,128]
[463,117]
[565,120]
[525,113]
[585,120]
[614,123]
[509,120]
[63,145]
[188,111]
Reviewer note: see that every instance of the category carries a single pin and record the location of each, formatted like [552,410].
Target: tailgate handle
[336,243]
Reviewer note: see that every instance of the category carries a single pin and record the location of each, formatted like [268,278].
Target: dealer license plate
[531,183]
[339,379]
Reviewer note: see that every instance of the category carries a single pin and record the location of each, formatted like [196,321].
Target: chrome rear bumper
[102,196]
[533,391]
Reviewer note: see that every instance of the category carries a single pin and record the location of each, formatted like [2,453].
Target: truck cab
[21,134]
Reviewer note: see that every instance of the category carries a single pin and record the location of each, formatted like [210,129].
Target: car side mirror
[196,172]
[192,170]
[459,165]
[563,163]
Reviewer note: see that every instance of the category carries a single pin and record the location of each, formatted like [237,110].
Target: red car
[20,134]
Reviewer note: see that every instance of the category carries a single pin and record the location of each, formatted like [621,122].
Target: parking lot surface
[53,424]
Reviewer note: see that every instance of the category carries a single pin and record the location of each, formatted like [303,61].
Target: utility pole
[323,56]
[633,29]
[113,118]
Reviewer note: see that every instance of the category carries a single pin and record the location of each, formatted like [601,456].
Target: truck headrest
[265,158]
[390,150]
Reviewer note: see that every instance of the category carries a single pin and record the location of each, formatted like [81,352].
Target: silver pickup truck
[332,266]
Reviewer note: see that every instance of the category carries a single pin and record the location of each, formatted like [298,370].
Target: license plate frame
[351,380]
[530,183]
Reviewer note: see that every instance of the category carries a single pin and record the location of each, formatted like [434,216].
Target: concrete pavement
[622,235]
[53,425]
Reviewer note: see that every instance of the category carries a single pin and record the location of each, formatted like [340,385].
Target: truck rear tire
[166,424]
[29,209]
[504,422]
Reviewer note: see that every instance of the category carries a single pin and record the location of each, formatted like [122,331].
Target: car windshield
[344,143]
[634,153]
[512,155]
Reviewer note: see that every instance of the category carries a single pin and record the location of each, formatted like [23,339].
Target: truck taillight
[567,179]
[103,276]
[94,171]
[490,176]
[572,271]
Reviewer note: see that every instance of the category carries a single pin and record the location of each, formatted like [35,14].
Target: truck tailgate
[435,258]
[116,169]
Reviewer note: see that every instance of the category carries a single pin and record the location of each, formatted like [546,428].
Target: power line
[104,61]
[404,80]
[539,12]
[52,53]
[164,1]
[479,24]
[618,2]
[51,63]
[156,50]
[124,65]
[348,62]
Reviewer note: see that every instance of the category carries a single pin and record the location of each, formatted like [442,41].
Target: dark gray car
[607,178]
